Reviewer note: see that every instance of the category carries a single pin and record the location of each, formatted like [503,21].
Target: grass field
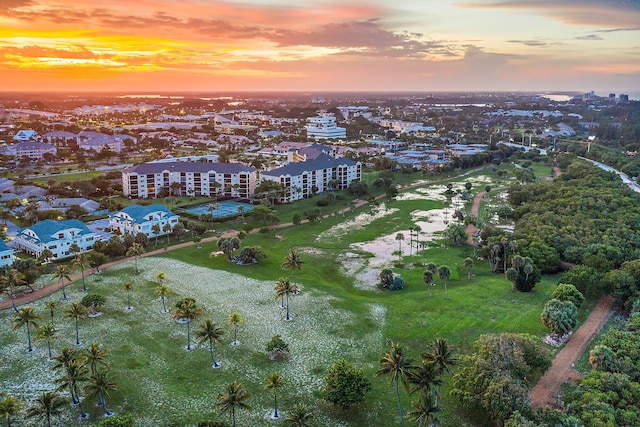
[163,384]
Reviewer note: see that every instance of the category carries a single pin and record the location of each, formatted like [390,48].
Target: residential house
[303,179]
[32,149]
[136,219]
[57,236]
[147,180]
[6,254]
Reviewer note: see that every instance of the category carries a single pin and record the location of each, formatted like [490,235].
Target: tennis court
[219,209]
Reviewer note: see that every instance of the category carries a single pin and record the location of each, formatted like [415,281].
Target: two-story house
[57,236]
[136,219]
[6,254]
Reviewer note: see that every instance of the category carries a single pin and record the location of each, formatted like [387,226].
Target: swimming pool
[221,210]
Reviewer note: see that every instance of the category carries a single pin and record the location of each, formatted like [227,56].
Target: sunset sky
[312,45]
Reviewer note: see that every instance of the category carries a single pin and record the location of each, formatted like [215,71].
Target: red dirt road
[546,391]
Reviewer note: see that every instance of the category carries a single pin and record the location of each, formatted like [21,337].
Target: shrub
[277,347]
[322,202]
[398,283]
[344,385]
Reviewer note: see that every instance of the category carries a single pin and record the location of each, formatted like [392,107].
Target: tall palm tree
[417,229]
[299,416]
[81,261]
[155,229]
[128,287]
[9,283]
[274,382]
[47,333]
[51,306]
[62,273]
[234,320]
[74,372]
[162,291]
[400,238]
[94,356]
[427,278]
[235,397]
[98,387]
[167,230]
[75,249]
[241,212]
[9,407]
[424,378]
[76,311]
[188,310]
[426,409]
[48,404]
[26,316]
[283,289]
[424,246]
[210,332]
[396,365]
[444,273]
[293,262]
[135,251]
[442,356]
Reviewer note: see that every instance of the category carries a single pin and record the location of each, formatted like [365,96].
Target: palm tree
[397,366]
[423,246]
[293,262]
[47,333]
[76,311]
[417,229]
[81,261]
[426,410]
[99,386]
[442,356]
[234,320]
[235,397]
[9,407]
[155,229]
[283,289]
[74,372]
[26,316]
[210,332]
[9,283]
[400,238]
[468,265]
[427,278]
[299,416]
[241,212]
[162,291]
[167,230]
[188,310]
[51,306]
[62,273]
[128,287]
[135,251]
[444,273]
[273,382]
[75,249]
[94,356]
[46,255]
[48,404]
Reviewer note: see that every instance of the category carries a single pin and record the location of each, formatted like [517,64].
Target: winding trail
[545,392]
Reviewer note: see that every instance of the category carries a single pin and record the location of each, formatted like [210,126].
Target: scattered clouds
[533,43]
[589,37]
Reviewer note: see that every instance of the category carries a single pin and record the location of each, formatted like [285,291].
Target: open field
[335,316]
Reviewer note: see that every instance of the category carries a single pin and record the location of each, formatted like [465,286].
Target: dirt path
[475,209]
[546,391]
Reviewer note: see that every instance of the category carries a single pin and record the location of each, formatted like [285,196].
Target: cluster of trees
[248,254]
[424,378]
[560,313]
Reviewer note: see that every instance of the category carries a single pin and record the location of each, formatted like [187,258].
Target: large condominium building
[323,173]
[189,178]
[324,127]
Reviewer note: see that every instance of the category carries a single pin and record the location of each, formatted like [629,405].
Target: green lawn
[162,384]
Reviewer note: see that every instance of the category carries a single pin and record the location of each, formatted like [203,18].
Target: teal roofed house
[136,219]
[6,254]
[57,236]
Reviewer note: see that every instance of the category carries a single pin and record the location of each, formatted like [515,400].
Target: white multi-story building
[32,149]
[57,236]
[324,127]
[323,173]
[189,178]
[136,219]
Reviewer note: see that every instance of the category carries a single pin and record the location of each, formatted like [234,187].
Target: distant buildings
[88,140]
[136,219]
[324,127]
[57,236]
[148,180]
[31,149]
[303,179]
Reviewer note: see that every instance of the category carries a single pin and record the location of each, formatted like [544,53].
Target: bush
[277,347]
[322,202]
[345,385]
[118,421]
[398,283]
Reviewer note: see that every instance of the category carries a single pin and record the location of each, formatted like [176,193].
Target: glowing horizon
[268,45]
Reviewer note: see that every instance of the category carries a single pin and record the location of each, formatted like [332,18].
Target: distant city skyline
[273,45]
